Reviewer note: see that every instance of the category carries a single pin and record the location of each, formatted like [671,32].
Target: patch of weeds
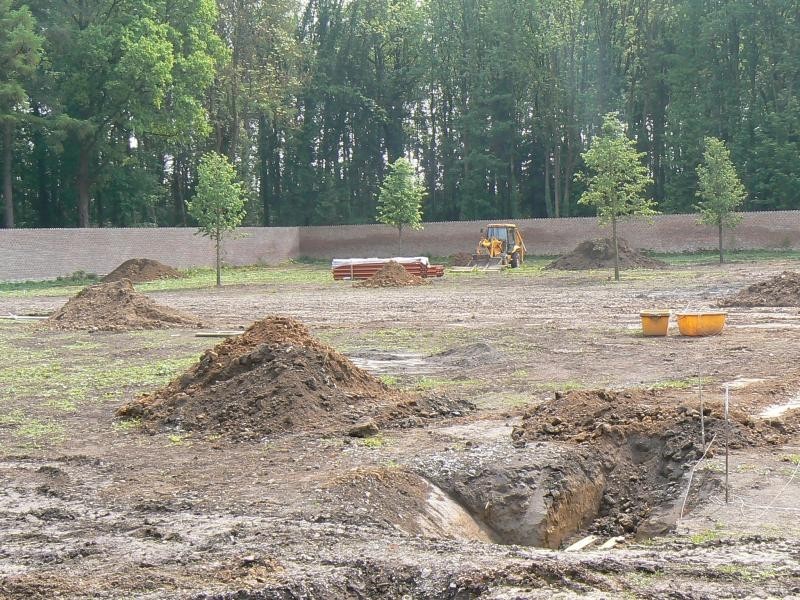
[432,383]
[679,384]
[178,439]
[791,458]
[35,430]
[83,345]
[375,441]
[712,466]
[707,535]
[389,380]
[126,425]
[744,573]
[519,374]
[61,404]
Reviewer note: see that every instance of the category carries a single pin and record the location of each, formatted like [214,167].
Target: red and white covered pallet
[364,268]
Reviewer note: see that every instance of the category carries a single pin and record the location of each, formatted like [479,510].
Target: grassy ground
[318,272]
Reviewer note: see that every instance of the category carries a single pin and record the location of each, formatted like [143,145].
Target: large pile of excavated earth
[641,444]
[599,254]
[116,306]
[781,290]
[274,378]
[139,270]
[392,274]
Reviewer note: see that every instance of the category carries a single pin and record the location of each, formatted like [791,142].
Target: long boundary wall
[664,233]
[47,253]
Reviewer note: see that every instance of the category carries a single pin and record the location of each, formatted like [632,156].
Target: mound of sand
[116,306]
[273,378]
[138,270]
[781,290]
[599,254]
[392,274]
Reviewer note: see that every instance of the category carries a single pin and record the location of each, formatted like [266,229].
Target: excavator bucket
[484,262]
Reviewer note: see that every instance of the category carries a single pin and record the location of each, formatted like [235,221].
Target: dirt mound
[462,259]
[273,378]
[648,440]
[599,254]
[116,306]
[392,274]
[138,270]
[781,290]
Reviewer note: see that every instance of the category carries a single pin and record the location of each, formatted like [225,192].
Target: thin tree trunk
[616,247]
[557,180]
[83,187]
[548,205]
[217,244]
[720,243]
[8,190]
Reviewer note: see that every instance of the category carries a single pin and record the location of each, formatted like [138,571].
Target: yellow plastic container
[701,323]
[655,322]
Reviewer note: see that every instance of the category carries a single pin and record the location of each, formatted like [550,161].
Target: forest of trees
[106,106]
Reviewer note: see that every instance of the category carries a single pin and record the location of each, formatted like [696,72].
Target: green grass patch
[433,383]
[706,257]
[373,442]
[679,384]
[314,272]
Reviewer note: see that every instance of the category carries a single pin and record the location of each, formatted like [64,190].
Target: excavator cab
[500,246]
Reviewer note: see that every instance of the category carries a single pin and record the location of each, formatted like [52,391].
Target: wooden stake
[727,443]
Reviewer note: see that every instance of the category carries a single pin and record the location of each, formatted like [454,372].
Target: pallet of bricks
[364,268]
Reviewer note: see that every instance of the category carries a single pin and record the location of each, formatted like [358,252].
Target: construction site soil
[496,439]
[599,254]
[116,306]
[276,378]
[392,274]
[139,270]
[781,290]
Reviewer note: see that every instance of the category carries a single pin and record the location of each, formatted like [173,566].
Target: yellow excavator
[500,246]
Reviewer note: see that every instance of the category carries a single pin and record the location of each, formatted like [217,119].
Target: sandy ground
[102,510]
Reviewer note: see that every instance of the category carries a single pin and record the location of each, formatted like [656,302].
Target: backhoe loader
[500,246]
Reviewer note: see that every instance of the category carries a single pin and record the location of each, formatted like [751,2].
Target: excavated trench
[545,493]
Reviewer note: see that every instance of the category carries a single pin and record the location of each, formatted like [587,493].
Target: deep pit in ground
[588,462]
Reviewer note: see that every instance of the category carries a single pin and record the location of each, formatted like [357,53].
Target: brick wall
[665,233]
[48,253]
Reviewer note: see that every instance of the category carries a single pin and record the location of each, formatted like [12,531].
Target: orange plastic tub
[701,323]
[655,322]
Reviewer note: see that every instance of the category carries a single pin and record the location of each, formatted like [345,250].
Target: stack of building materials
[364,268]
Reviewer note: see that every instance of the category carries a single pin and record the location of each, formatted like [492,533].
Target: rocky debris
[392,274]
[599,254]
[470,356]
[116,306]
[781,290]
[138,270]
[364,428]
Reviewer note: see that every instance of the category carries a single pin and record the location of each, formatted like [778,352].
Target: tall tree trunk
[548,204]
[616,247]
[557,180]
[8,188]
[263,170]
[83,186]
[720,243]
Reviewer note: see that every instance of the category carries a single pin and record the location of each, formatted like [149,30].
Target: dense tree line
[106,106]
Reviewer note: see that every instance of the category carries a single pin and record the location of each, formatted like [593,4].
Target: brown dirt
[780,290]
[462,259]
[648,440]
[393,274]
[116,306]
[274,378]
[139,270]
[599,254]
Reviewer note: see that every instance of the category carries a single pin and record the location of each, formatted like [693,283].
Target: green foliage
[719,188]
[218,205]
[400,198]
[618,180]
